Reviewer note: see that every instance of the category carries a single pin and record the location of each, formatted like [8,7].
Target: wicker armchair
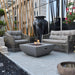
[14,38]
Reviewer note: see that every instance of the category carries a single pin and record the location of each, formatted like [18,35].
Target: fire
[38,42]
[35,42]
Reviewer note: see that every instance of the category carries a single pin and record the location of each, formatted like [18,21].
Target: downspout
[48,16]
[61,15]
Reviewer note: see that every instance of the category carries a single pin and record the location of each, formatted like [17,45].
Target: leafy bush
[2,23]
[15,22]
[15,28]
[2,33]
[70,14]
[2,12]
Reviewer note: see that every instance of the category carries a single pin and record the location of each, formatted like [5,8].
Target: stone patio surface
[45,65]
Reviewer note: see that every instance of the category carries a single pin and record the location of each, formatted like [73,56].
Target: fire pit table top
[37,50]
[36,45]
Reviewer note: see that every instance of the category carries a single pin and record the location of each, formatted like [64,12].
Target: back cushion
[66,33]
[2,41]
[58,37]
[15,34]
[55,33]
[63,32]
[72,32]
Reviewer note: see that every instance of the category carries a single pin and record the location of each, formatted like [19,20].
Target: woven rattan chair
[14,38]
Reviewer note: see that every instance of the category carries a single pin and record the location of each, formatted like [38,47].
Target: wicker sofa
[14,38]
[63,40]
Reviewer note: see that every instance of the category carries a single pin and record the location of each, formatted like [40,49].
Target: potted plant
[2,28]
[2,23]
[70,16]
[2,12]
[15,22]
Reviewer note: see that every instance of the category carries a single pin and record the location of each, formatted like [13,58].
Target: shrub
[2,33]
[2,12]
[70,14]
[2,23]
[15,22]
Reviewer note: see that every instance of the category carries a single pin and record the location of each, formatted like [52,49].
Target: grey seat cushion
[55,41]
[21,41]
[17,37]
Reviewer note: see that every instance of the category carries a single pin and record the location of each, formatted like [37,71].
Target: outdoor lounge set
[56,40]
[61,40]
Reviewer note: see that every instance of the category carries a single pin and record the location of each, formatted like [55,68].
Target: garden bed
[7,67]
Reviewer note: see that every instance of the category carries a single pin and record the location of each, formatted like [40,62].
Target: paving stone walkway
[46,65]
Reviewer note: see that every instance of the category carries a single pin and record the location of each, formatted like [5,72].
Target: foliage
[70,13]
[2,23]
[2,12]
[15,22]
[2,32]
[15,28]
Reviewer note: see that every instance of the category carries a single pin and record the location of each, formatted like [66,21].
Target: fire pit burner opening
[36,43]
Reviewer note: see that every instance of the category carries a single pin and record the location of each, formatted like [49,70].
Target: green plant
[70,17]
[15,22]
[2,12]
[2,32]
[2,23]
[15,28]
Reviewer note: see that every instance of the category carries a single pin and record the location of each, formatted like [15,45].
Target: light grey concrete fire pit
[36,49]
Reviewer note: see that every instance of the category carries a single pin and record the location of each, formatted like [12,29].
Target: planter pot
[71,26]
[66,68]
[32,39]
[40,26]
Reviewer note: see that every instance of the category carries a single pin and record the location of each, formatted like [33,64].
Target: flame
[38,42]
[35,42]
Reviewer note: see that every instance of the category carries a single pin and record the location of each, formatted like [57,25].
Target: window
[37,13]
[15,11]
[24,2]
[17,6]
[35,5]
[34,13]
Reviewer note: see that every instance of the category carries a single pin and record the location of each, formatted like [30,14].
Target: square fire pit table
[37,50]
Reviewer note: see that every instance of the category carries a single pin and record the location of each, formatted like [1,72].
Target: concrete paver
[45,65]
